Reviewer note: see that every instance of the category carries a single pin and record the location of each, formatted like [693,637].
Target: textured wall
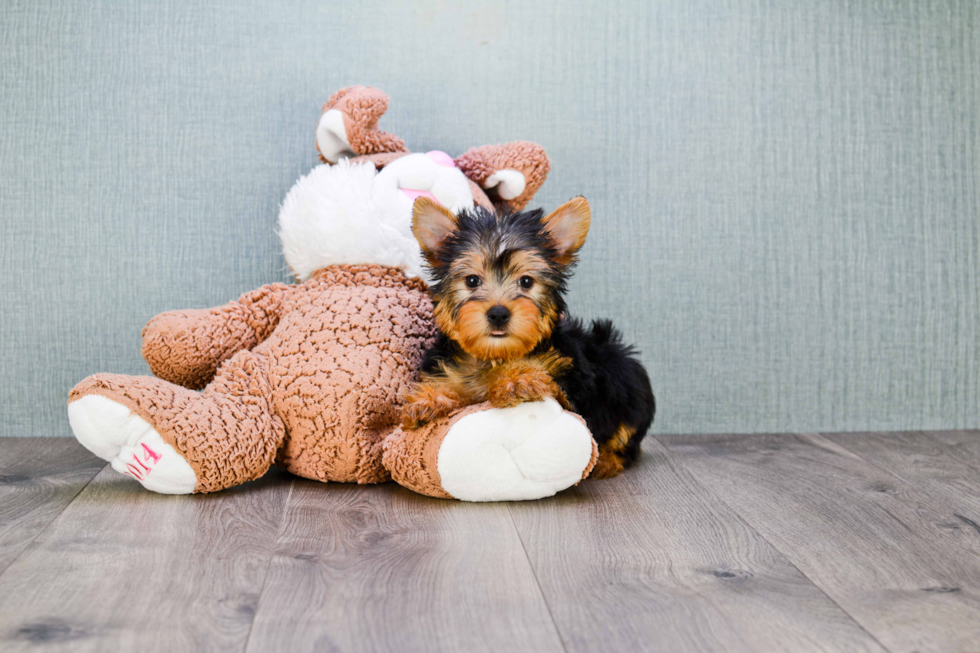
[785,193]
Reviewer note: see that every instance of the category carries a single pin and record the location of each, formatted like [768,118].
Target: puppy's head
[499,278]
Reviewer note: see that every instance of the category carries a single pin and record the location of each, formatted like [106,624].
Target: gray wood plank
[38,478]
[946,465]
[384,569]
[963,444]
[651,561]
[882,549]
[123,569]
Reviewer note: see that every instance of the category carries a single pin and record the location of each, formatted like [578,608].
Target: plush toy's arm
[482,453]
[186,347]
[349,125]
[513,172]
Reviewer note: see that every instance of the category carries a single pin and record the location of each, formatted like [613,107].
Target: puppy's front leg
[515,382]
[430,399]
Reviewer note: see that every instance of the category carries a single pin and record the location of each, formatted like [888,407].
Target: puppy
[498,291]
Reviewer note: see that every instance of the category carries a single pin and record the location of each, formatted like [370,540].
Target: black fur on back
[607,385]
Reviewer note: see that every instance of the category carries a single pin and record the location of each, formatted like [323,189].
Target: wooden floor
[847,542]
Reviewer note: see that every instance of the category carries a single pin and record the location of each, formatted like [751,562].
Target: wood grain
[652,561]
[888,553]
[38,478]
[382,569]
[844,542]
[946,465]
[123,569]
[963,444]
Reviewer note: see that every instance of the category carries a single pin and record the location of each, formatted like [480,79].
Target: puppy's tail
[604,334]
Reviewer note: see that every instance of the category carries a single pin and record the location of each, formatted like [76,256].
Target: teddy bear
[310,376]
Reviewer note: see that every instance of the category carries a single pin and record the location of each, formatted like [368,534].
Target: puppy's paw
[608,465]
[530,385]
[426,404]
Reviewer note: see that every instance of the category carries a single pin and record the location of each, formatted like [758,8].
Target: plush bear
[310,376]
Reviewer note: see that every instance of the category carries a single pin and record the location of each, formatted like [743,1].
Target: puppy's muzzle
[498,317]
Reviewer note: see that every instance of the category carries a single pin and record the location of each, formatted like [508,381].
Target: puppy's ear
[431,223]
[567,226]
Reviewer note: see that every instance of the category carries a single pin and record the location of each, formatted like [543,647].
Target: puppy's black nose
[498,316]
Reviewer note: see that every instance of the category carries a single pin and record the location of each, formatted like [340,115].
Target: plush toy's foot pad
[131,445]
[530,451]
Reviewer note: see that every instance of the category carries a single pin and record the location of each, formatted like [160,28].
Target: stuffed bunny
[310,376]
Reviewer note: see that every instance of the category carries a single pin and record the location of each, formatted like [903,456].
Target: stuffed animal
[310,376]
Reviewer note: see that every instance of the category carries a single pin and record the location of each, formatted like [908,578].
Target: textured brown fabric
[479,163]
[412,457]
[362,106]
[343,358]
[228,434]
[309,376]
[592,461]
[318,392]
[186,347]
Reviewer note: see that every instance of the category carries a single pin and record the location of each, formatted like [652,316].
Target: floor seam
[537,581]
[679,461]
[53,520]
[901,477]
[268,567]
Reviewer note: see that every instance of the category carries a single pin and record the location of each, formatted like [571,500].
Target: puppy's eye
[525,282]
[472,281]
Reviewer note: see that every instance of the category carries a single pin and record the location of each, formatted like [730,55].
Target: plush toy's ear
[567,226]
[349,125]
[432,223]
[508,183]
[512,173]
[331,137]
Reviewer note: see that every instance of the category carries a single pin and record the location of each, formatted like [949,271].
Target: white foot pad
[114,433]
[529,451]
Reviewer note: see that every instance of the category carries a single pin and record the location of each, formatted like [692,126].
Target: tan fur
[431,225]
[528,324]
[610,461]
[527,379]
[568,225]
[427,402]
[470,380]
[471,330]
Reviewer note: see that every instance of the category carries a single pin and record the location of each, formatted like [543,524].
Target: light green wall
[785,193]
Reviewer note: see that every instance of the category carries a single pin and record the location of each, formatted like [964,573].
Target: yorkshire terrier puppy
[498,292]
